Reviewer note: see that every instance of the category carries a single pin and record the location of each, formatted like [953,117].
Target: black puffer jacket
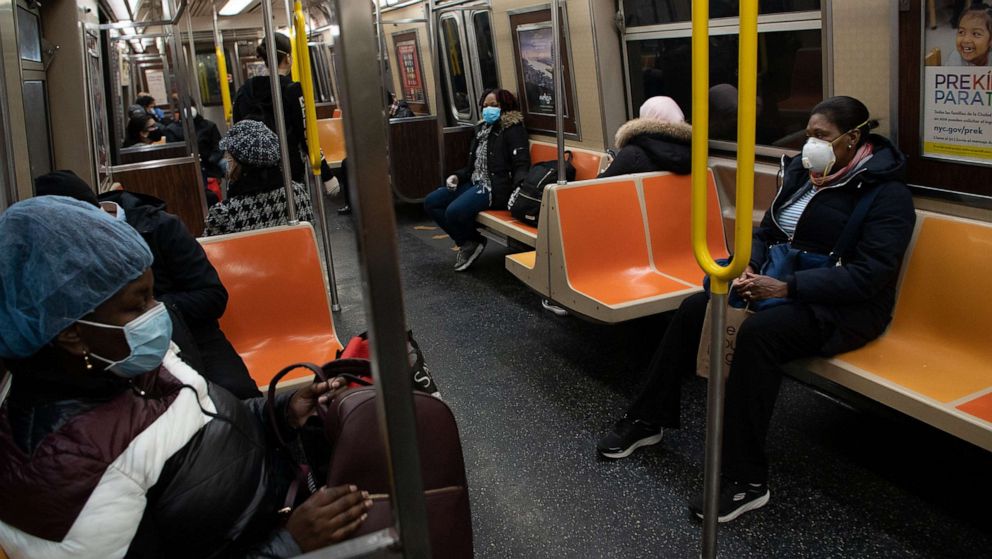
[509,157]
[184,278]
[648,145]
[853,300]
[105,467]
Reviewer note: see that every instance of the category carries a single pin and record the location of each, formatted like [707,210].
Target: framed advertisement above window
[944,98]
[410,69]
[531,32]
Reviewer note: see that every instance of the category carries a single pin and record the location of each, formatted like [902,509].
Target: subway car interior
[576,208]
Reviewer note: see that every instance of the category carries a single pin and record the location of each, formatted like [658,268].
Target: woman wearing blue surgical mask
[842,171]
[110,444]
[498,161]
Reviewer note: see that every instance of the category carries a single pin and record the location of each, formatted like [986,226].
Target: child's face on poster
[973,39]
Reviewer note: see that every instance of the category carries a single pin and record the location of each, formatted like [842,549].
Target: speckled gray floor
[532,392]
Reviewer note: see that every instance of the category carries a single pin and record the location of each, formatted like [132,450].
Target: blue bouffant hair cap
[59,260]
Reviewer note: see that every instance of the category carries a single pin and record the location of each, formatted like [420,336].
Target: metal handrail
[721,276]
[300,43]
[376,232]
[277,108]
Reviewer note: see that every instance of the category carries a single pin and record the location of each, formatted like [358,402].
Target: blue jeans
[455,211]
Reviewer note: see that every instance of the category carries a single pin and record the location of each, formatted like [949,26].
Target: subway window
[790,69]
[489,74]
[658,12]
[454,67]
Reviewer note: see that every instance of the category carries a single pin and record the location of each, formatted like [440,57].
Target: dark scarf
[255,180]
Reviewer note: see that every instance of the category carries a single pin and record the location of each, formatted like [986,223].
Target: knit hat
[662,108]
[65,183]
[250,142]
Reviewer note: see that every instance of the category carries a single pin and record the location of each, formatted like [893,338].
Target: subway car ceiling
[440,56]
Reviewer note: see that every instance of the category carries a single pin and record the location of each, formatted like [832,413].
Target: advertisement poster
[156,86]
[537,68]
[957,89]
[412,87]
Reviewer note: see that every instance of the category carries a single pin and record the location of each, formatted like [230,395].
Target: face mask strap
[99,324]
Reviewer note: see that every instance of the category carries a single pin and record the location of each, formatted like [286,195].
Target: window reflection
[455,67]
[654,12]
[790,81]
[28,35]
[487,50]
[208,78]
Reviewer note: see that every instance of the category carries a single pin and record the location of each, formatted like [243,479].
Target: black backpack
[525,201]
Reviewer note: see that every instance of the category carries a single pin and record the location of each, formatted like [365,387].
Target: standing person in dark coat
[254,102]
[826,311]
[184,279]
[498,161]
[657,141]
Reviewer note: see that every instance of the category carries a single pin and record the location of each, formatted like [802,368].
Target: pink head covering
[662,108]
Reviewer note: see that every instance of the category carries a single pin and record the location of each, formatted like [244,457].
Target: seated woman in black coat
[142,130]
[498,161]
[110,444]
[657,141]
[826,311]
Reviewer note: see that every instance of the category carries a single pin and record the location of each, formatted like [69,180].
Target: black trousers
[766,340]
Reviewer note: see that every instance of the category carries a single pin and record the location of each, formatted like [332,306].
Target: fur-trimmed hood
[508,119]
[676,132]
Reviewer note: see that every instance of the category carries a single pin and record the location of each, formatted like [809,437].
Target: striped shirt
[788,215]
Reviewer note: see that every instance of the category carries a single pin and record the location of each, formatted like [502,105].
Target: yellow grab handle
[294,71]
[225,89]
[721,276]
[306,80]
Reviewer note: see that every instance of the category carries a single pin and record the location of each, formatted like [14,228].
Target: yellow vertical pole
[306,81]
[721,276]
[222,75]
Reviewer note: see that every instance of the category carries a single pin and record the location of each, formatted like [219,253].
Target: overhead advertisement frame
[956,92]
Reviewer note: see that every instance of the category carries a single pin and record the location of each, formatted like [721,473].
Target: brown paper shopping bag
[732,325]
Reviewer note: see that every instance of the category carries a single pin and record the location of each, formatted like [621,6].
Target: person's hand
[747,271]
[303,404]
[452,183]
[754,287]
[328,516]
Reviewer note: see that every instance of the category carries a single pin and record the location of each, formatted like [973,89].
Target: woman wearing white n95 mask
[821,311]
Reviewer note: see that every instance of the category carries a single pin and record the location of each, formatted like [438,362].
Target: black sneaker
[736,498]
[467,253]
[627,436]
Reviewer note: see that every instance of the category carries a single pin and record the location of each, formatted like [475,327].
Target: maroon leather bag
[358,457]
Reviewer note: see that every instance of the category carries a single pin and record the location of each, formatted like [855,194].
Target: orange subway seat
[668,201]
[604,246]
[980,407]
[937,344]
[331,133]
[277,310]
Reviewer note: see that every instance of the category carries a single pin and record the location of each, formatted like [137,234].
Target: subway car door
[468,67]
